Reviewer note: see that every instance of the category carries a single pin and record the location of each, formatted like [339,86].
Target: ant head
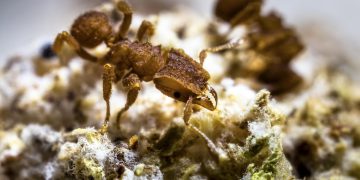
[176,89]
[91,28]
[182,78]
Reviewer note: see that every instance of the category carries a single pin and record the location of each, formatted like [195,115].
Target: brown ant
[238,11]
[269,44]
[173,72]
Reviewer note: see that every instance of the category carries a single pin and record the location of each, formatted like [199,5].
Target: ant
[173,72]
[270,45]
[238,11]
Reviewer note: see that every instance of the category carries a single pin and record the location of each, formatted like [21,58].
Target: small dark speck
[181,32]
[47,52]
[177,95]
[68,129]
[70,95]
[120,170]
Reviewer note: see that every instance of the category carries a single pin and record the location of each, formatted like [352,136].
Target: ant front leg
[65,37]
[124,7]
[188,110]
[146,30]
[212,147]
[239,43]
[132,82]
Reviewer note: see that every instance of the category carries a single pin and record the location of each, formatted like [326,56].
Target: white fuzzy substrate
[26,154]
[324,129]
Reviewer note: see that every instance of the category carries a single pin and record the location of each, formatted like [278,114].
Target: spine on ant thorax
[143,59]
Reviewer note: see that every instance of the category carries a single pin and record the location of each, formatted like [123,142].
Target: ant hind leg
[65,37]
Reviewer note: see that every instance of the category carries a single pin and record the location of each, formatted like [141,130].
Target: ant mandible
[173,72]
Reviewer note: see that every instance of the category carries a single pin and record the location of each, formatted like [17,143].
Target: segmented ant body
[173,72]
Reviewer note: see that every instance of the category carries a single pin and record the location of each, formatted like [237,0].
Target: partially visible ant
[269,44]
[173,72]
[237,12]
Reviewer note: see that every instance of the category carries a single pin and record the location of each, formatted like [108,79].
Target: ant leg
[188,110]
[250,13]
[215,151]
[212,147]
[131,82]
[65,37]
[108,78]
[124,7]
[146,30]
[239,43]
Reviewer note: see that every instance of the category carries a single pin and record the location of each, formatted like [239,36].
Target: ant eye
[177,95]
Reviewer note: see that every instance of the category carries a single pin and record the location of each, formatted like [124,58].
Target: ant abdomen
[91,28]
